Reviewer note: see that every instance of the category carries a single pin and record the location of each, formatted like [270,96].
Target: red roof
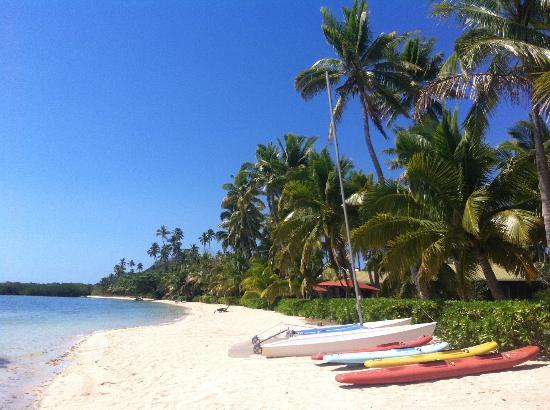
[348,283]
[319,289]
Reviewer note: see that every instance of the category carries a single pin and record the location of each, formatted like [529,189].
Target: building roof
[348,283]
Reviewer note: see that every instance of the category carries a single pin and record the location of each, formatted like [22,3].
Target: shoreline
[57,364]
[186,362]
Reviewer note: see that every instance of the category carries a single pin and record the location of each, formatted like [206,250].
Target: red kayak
[421,341]
[441,369]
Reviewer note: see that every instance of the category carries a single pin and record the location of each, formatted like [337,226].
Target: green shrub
[542,296]
[255,303]
[509,323]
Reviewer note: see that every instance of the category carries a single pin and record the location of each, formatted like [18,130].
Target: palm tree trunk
[421,288]
[368,139]
[461,280]
[494,286]
[542,172]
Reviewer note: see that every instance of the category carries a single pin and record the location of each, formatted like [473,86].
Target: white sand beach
[185,365]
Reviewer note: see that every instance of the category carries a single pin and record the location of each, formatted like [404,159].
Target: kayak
[306,346]
[442,369]
[351,327]
[421,341]
[359,358]
[432,357]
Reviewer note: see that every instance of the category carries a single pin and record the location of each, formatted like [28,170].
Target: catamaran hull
[299,346]
[421,341]
[441,370]
[322,330]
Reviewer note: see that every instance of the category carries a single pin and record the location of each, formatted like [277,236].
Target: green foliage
[542,296]
[45,289]
[510,323]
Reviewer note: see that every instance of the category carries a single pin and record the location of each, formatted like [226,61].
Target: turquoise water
[35,329]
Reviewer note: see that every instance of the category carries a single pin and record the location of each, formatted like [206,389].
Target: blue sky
[119,116]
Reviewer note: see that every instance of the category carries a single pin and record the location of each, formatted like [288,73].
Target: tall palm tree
[503,53]
[154,250]
[242,217]
[165,252]
[203,239]
[453,207]
[210,235]
[275,161]
[365,66]
[131,264]
[313,222]
[139,267]
[163,232]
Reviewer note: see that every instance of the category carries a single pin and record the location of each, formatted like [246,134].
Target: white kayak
[360,357]
[342,341]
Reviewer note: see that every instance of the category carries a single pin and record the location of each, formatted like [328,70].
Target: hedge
[510,323]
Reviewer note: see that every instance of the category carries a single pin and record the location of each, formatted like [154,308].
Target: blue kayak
[360,357]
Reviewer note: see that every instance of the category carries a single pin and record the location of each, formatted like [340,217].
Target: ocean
[36,329]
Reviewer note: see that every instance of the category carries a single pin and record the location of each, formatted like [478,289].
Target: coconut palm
[313,221]
[154,250]
[275,161]
[139,267]
[261,282]
[165,252]
[163,232]
[503,53]
[210,235]
[131,264]
[203,239]
[452,208]
[242,216]
[365,66]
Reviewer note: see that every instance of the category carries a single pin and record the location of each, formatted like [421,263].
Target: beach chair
[222,309]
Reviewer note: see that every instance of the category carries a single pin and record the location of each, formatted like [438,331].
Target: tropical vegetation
[448,206]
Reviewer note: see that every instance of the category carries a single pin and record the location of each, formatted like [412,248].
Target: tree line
[458,205]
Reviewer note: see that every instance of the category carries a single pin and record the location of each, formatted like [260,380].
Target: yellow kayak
[432,357]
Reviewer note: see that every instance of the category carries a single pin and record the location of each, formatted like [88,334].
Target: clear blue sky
[119,116]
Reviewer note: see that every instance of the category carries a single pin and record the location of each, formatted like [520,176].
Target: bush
[542,296]
[255,303]
[509,323]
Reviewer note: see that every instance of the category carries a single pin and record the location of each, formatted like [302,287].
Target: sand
[185,365]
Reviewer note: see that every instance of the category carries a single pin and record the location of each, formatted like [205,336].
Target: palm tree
[242,217]
[366,67]
[177,234]
[313,222]
[275,161]
[139,267]
[503,53]
[131,264]
[203,239]
[122,264]
[165,252]
[154,250]
[210,235]
[163,233]
[452,208]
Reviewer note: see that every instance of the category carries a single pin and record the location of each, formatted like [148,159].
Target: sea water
[36,329]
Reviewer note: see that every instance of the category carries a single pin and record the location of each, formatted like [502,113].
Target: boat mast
[348,236]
